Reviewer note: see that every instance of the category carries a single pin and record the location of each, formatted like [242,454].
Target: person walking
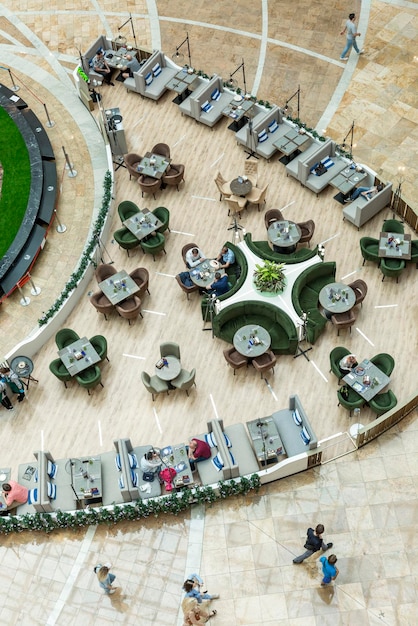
[105,578]
[192,588]
[329,571]
[314,542]
[351,30]
[194,613]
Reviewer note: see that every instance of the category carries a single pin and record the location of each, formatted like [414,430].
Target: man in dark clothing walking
[314,542]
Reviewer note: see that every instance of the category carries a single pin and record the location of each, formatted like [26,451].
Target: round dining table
[171,370]
[284,235]
[337,298]
[252,340]
[204,274]
[240,186]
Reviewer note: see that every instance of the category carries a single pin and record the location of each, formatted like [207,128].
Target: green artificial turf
[14,158]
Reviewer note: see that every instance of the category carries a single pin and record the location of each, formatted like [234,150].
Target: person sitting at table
[348,363]
[220,285]
[14,494]
[320,169]
[226,257]
[194,257]
[14,382]
[151,462]
[366,192]
[132,65]
[197,451]
[101,67]
[185,278]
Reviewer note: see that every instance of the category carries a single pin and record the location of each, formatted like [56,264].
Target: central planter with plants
[269,278]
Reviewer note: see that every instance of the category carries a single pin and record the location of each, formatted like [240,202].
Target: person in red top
[198,451]
[14,494]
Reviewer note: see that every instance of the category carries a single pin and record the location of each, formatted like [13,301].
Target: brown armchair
[308,229]
[343,320]
[265,362]
[141,277]
[185,288]
[149,185]
[104,271]
[101,303]
[130,308]
[186,248]
[235,359]
[360,289]
[272,215]
[131,161]
[174,175]
[163,149]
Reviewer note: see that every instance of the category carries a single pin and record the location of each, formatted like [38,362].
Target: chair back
[169,348]
[104,271]
[65,337]
[163,214]
[251,170]
[393,226]
[307,229]
[131,161]
[272,215]
[161,148]
[127,209]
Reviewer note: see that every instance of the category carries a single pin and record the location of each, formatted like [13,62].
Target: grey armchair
[154,385]
[185,380]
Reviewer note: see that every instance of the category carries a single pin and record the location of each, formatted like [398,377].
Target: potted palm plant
[270,277]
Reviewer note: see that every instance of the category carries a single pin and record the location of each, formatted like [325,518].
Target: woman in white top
[150,462]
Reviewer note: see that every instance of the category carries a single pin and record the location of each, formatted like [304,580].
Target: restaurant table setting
[284,234]
[153,165]
[241,186]
[366,379]
[348,178]
[168,368]
[87,478]
[176,458]
[143,224]
[265,440]
[118,287]
[78,356]
[237,109]
[203,274]
[395,246]
[252,340]
[337,298]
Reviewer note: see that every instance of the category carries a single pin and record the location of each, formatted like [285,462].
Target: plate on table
[214,263]
[359,371]
[3,476]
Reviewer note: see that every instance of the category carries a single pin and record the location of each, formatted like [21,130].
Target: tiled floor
[367,500]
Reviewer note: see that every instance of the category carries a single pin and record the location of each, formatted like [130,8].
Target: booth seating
[200,85]
[278,324]
[362,210]
[243,136]
[230,457]
[151,78]
[263,250]
[128,459]
[206,105]
[266,131]
[101,43]
[305,296]
[294,428]
[302,166]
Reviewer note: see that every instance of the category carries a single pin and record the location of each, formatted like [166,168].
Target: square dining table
[176,456]
[153,165]
[367,379]
[395,246]
[143,224]
[118,287]
[87,479]
[78,356]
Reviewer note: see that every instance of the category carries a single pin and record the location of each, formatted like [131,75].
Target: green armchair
[383,402]
[90,378]
[163,214]
[65,337]
[352,400]
[59,370]
[125,239]
[99,343]
[154,244]
[392,268]
[369,248]
[385,362]
[127,209]
[335,357]
[393,226]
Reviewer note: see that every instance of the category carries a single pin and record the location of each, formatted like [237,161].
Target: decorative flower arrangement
[85,259]
[270,277]
[174,503]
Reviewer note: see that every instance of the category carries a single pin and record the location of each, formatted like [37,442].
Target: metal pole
[61,228]
[72,172]
[24,301]
[35,291]
[49,123]
[14,87]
